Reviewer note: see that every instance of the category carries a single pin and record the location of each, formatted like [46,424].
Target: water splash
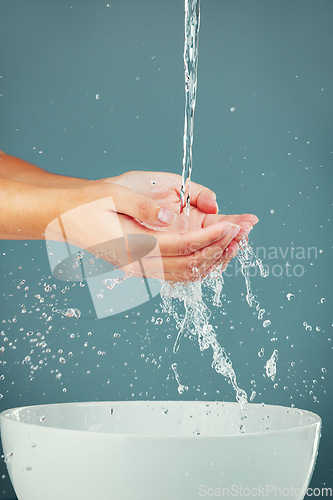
[181,387]
[271,365]
[71,313]
[194,318]
[192,25]
[196,321]
[307,327]
[110,283]
[247,259]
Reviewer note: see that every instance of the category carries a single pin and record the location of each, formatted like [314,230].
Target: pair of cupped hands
[145,206]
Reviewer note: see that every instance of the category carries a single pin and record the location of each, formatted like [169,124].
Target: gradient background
[272,156]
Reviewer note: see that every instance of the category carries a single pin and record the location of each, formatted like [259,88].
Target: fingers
[203,198]
[133,204]
[180,244]
[229,253]
[245,221]
[207,261]
[234,218]
[253,219]
[148,211]
[189,267]
[245,230]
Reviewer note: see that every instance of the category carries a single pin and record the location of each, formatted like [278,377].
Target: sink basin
[157,450]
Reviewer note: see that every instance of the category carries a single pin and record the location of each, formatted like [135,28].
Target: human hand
[165,188]
[105,211]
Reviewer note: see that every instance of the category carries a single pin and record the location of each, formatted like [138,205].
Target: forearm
[26,210]
[22,171]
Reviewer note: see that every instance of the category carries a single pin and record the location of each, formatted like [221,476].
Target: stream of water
[192,25]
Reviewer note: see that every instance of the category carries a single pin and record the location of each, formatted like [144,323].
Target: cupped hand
[164,187]
[135,202]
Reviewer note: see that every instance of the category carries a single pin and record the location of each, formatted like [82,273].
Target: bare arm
[31,198]
[26,210]
[22,171]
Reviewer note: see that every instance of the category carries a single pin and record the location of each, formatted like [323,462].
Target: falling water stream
[192,25]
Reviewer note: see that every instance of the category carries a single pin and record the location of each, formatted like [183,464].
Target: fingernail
[217,207]
[166,216]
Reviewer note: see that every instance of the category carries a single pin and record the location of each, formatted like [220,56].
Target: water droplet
[271,365]
[266,323]
[322,300]
[290,296]
[261,313]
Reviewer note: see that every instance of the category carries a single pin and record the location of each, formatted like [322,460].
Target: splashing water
[181,387]
[195,319]
[248,259]
[110,283]
[271,365]
[192,25]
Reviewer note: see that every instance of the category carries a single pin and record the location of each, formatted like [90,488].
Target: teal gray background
[272,156]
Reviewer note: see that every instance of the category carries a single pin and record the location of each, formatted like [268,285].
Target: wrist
[89,191]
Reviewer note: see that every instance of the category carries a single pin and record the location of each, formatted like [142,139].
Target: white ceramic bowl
[158,450]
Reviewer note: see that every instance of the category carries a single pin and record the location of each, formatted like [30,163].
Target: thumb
[141,207]
[146,210]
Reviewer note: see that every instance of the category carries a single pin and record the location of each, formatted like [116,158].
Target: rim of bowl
[8,414]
